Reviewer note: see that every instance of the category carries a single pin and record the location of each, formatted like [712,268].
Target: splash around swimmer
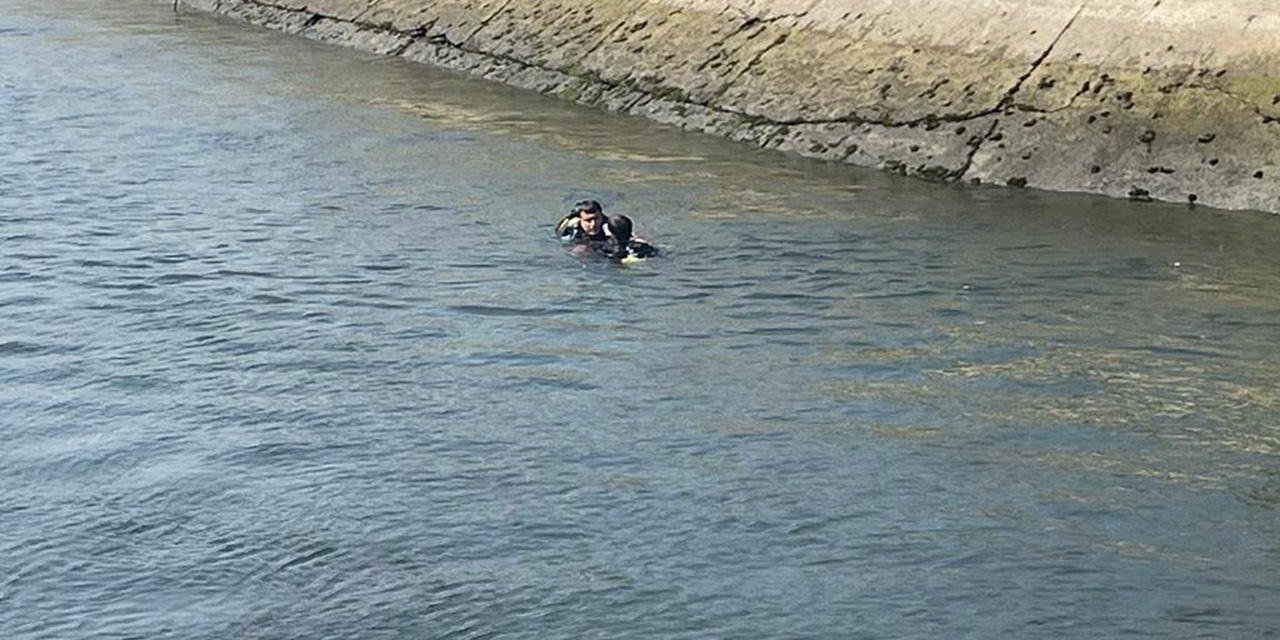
[588,231]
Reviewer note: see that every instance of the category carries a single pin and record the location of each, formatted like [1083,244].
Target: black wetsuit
[634,248]
[638,248]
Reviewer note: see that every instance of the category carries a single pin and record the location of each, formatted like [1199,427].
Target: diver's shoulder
[641,248]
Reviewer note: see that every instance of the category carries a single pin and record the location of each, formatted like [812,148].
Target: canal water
[288,350]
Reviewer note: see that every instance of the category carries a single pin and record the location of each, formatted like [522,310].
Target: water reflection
[288,347]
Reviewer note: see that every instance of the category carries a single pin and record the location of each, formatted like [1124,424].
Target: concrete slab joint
[1143,99]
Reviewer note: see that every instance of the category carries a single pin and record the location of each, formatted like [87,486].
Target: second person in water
[587,228]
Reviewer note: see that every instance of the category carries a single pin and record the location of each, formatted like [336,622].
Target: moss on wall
[1147,99]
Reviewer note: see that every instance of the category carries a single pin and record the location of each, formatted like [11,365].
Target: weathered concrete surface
[1173,100]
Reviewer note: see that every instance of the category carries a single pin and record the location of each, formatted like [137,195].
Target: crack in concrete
[852,119]
[1009,96]
[1007,101]
[1026,108]
[264,3]
[667,102]
[316,18]
[1252,106]
[974,149]
[422,30]
[1035,64]
[751,21]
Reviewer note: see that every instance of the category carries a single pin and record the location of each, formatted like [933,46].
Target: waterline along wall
[1174,100]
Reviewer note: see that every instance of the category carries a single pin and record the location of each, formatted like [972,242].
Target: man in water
[588,230]
[585,224]
[622,244]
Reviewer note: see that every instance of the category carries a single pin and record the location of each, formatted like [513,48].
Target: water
[287,350]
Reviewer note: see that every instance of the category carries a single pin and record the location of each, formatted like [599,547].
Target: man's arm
[567,225]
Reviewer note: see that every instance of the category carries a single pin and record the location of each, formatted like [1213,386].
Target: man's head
[620,226]
[590,217]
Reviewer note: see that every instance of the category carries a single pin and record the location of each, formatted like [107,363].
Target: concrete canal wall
[1174,100]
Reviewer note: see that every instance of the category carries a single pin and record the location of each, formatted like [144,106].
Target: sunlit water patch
[287,350]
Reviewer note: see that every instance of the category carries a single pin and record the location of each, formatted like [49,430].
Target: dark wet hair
[621,227]
[588,206]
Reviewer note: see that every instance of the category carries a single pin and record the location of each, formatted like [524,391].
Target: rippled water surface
[287,350]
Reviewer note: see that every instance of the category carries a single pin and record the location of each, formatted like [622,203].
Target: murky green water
[287,350]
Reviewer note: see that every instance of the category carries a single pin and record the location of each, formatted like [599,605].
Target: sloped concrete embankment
[1174,100]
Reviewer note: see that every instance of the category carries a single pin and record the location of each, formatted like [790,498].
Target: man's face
[590,222]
